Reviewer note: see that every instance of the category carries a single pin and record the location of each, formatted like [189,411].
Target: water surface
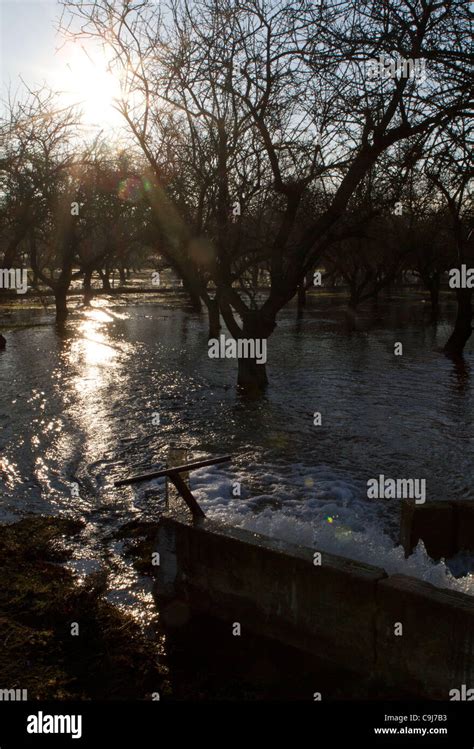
[104,400]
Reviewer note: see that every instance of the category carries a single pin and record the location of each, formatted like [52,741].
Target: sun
[84,78]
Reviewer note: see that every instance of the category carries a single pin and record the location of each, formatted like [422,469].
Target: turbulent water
[129,377]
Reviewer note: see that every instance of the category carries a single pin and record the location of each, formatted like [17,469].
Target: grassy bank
[110,658]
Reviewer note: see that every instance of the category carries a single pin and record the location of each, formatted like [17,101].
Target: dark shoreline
[110,658]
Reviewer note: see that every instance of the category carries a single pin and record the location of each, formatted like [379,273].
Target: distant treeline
[258,139]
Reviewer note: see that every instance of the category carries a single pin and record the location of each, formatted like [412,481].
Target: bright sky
[31,47]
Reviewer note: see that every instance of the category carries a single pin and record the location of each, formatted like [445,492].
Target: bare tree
[451,169]
[37,135]
[293,79]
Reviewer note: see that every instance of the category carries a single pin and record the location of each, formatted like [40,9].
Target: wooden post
[185,493]
[432,523]
[177,455]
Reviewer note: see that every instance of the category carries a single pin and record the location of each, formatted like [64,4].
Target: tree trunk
[60,297]
[252,375]
[434,297]
[463,325]
[431,282]
[86,285]
[104,274]
[214,318]
[11,251]
[193,294]
[255,271]
[302,289]
[301,296]
[354,296]
[123,276]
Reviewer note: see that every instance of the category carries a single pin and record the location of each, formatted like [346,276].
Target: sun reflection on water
[96,363]
[9,473]
[92,348]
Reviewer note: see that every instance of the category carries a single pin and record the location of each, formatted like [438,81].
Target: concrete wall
[341,610]
[436,651]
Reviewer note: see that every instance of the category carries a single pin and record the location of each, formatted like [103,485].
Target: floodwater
[130,376]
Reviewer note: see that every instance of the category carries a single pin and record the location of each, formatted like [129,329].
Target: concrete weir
[341,610]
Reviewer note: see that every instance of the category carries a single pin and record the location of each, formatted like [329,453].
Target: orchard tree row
[260,146]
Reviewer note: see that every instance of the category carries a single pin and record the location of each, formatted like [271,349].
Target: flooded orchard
[107,397]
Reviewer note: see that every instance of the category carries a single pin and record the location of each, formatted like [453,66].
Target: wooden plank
[178,469]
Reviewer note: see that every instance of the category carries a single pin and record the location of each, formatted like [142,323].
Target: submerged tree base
[252,377]
[462,330]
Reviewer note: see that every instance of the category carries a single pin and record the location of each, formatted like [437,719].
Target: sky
[31,47]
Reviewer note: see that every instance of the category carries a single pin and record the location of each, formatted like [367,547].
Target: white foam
[337,525]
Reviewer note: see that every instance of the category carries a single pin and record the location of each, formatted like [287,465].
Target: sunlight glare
[84,79]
